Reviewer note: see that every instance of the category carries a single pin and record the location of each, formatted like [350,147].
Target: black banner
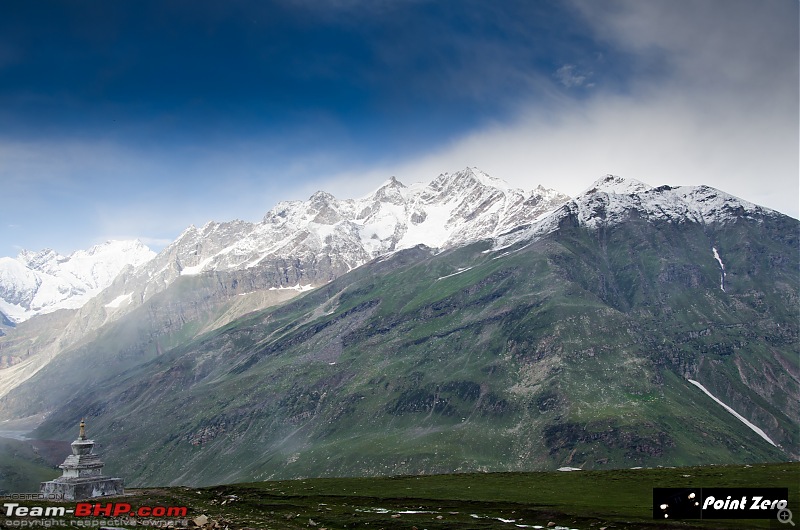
[719,503]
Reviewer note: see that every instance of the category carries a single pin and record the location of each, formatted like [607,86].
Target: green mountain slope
[22,467]
[191,306]
[573,350]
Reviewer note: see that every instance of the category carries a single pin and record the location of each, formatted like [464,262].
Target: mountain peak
[486,179]
[37,259]
[394,183]
[126,245]
[617,185]
[476,175]
[454,184]
[391,191]
[322,196]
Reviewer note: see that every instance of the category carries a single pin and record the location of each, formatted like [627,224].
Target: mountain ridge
[570,339]
[362,228]
[611,198]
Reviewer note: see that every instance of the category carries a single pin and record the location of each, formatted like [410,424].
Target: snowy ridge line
[738,416]
[611,200]
[450,211]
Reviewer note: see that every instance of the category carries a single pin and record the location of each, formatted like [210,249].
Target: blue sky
[134,119]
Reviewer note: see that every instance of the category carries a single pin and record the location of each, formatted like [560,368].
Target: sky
[136,118]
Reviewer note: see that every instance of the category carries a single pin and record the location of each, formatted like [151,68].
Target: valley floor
[585,500]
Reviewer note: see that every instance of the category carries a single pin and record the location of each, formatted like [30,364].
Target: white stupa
[82,476]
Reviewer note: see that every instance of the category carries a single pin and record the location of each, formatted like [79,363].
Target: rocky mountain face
[574,337]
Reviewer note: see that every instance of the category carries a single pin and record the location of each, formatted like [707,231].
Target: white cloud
[568,76]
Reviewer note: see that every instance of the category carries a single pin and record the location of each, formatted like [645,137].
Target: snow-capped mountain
[41,282]
[302,243]
[311,242]
[667,305]
[452,210]
[612,200]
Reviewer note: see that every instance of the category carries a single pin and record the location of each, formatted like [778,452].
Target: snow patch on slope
[722,268]
[299,288]
[459,271]
[738,416]
[197,269]
[121,299]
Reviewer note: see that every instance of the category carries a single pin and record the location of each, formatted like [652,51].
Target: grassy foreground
[577,500]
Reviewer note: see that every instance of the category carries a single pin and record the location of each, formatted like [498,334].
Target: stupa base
[77,489]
